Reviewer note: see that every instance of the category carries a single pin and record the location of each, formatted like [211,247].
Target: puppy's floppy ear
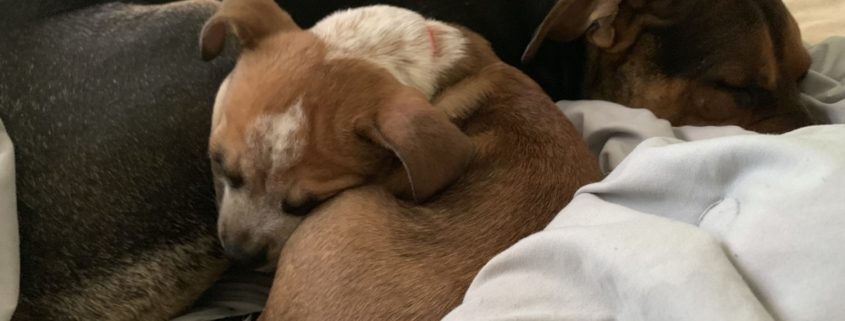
[569,19]
[250,20]
[433,151]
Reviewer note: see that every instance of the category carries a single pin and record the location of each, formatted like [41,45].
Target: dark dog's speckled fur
[109,110]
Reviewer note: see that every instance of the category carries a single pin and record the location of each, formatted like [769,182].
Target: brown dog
[692,62]
[372,97]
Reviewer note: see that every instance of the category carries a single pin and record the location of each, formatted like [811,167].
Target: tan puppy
[307,115]
[692,62]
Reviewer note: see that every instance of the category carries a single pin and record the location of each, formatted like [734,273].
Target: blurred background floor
[818,19]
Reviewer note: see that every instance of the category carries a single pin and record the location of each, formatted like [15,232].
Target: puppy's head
[305,115]
[692,62]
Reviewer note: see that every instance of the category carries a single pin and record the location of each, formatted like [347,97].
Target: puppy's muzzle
[243,256]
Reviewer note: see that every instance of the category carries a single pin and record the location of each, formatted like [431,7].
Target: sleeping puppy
[695,62]
[368,107]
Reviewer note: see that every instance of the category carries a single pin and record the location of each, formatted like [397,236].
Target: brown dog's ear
[433,151]
[250,20]
[569,19]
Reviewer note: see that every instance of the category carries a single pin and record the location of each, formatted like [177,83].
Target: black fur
[109,110]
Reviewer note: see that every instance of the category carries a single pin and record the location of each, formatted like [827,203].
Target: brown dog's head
[692,62]
[306,114]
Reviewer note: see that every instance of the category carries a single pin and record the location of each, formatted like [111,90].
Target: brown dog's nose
[242,256]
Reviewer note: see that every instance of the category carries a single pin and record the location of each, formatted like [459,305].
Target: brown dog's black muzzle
[779,123]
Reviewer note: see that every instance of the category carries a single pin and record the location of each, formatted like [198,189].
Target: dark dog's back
[109,109]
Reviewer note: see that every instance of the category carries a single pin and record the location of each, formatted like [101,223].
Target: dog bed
[692,223]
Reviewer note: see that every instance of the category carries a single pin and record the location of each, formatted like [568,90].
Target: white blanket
[692,223]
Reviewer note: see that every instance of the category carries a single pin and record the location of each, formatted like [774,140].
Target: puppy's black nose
[243,257]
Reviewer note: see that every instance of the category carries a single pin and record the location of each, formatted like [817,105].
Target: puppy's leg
[460,100]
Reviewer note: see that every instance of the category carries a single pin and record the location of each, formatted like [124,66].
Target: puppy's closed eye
[234,180]
[747,96]
[232,177]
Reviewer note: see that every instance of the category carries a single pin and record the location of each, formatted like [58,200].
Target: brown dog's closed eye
[749,97]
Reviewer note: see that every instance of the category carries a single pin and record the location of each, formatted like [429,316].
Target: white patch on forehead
[396,39]
[275,136]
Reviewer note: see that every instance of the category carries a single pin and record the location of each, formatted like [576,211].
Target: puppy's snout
[249,257]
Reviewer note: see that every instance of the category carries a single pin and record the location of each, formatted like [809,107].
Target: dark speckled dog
[109,109]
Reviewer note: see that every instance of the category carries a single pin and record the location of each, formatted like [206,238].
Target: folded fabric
[237,294]
[736,228]
[823,90]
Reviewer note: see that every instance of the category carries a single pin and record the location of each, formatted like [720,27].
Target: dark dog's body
[115,199]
